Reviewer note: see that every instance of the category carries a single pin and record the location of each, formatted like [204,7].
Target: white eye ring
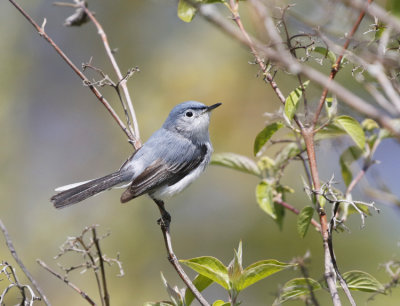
[189,114]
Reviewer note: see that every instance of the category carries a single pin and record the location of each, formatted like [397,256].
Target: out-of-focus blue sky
[55,132]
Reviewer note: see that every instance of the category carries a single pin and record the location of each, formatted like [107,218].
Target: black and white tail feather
[74,193]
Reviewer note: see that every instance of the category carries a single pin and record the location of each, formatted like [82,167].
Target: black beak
[210,108]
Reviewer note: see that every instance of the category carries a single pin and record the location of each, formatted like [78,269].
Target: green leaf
[349,155]
[369,124]
[200,282]
[331,107]
[280,214]
[326,53]
[186,12]
[296,288]
[260,270]
[235,267]
[362,281]
[209,267]
[363,208]
[292,101]
[353,129]
[174,293]
[265,135]
[304,220]
[236,162]
[288,152]
[221,303]
[264,196]
[330,131]
[266,163]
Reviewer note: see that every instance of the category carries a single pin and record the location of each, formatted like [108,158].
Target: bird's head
[191,120]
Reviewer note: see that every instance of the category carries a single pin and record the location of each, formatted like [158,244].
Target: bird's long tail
[78,192]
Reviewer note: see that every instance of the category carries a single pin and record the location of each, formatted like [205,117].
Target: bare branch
[10,246]
[102,270]
[96,92]
[122,80]
[164,223]
[351,99]
[65,280]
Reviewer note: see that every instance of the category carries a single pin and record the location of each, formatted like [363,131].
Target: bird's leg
[165,219]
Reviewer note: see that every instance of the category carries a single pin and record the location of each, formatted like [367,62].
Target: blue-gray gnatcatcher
[171,159]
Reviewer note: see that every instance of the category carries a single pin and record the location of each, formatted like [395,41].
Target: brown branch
[86,249]
[164,223]
[296,211]
[65,280]
[347,96]
[96,92]
[375,10]
[336,67]
[14,254]
[122,81]
[102,270]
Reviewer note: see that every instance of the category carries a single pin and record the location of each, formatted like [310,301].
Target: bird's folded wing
[161,173]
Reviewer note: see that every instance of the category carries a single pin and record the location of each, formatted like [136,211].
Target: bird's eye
[189,114]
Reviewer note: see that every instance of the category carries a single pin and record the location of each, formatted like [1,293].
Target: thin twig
[95,269]
[102,270]
[122,80]
[10,246]
[164,223]
[302,264]
[96,92]
[65,280]
[347,96]
[336,66]
[296,211]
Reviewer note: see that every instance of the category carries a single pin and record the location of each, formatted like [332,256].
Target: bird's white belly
[169,191]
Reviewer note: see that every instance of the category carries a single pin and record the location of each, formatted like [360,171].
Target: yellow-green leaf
[265,135]
[362,281]
[353,129]
[211,268]
[221,303]
[304,219]
[264,196]
[326,53]
[351,154]
[200,282]
[296,288]
[260,270]
[186,12]
[236,162]
[292,100]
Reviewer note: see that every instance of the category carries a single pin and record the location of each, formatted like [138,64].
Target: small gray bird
[171,159]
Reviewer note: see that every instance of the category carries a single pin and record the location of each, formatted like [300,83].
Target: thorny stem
[10,246]
[164,223]
[96,92]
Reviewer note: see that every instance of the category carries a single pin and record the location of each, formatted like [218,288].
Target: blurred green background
[55,132]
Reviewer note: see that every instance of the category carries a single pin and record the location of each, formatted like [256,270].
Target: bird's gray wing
[165,171]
